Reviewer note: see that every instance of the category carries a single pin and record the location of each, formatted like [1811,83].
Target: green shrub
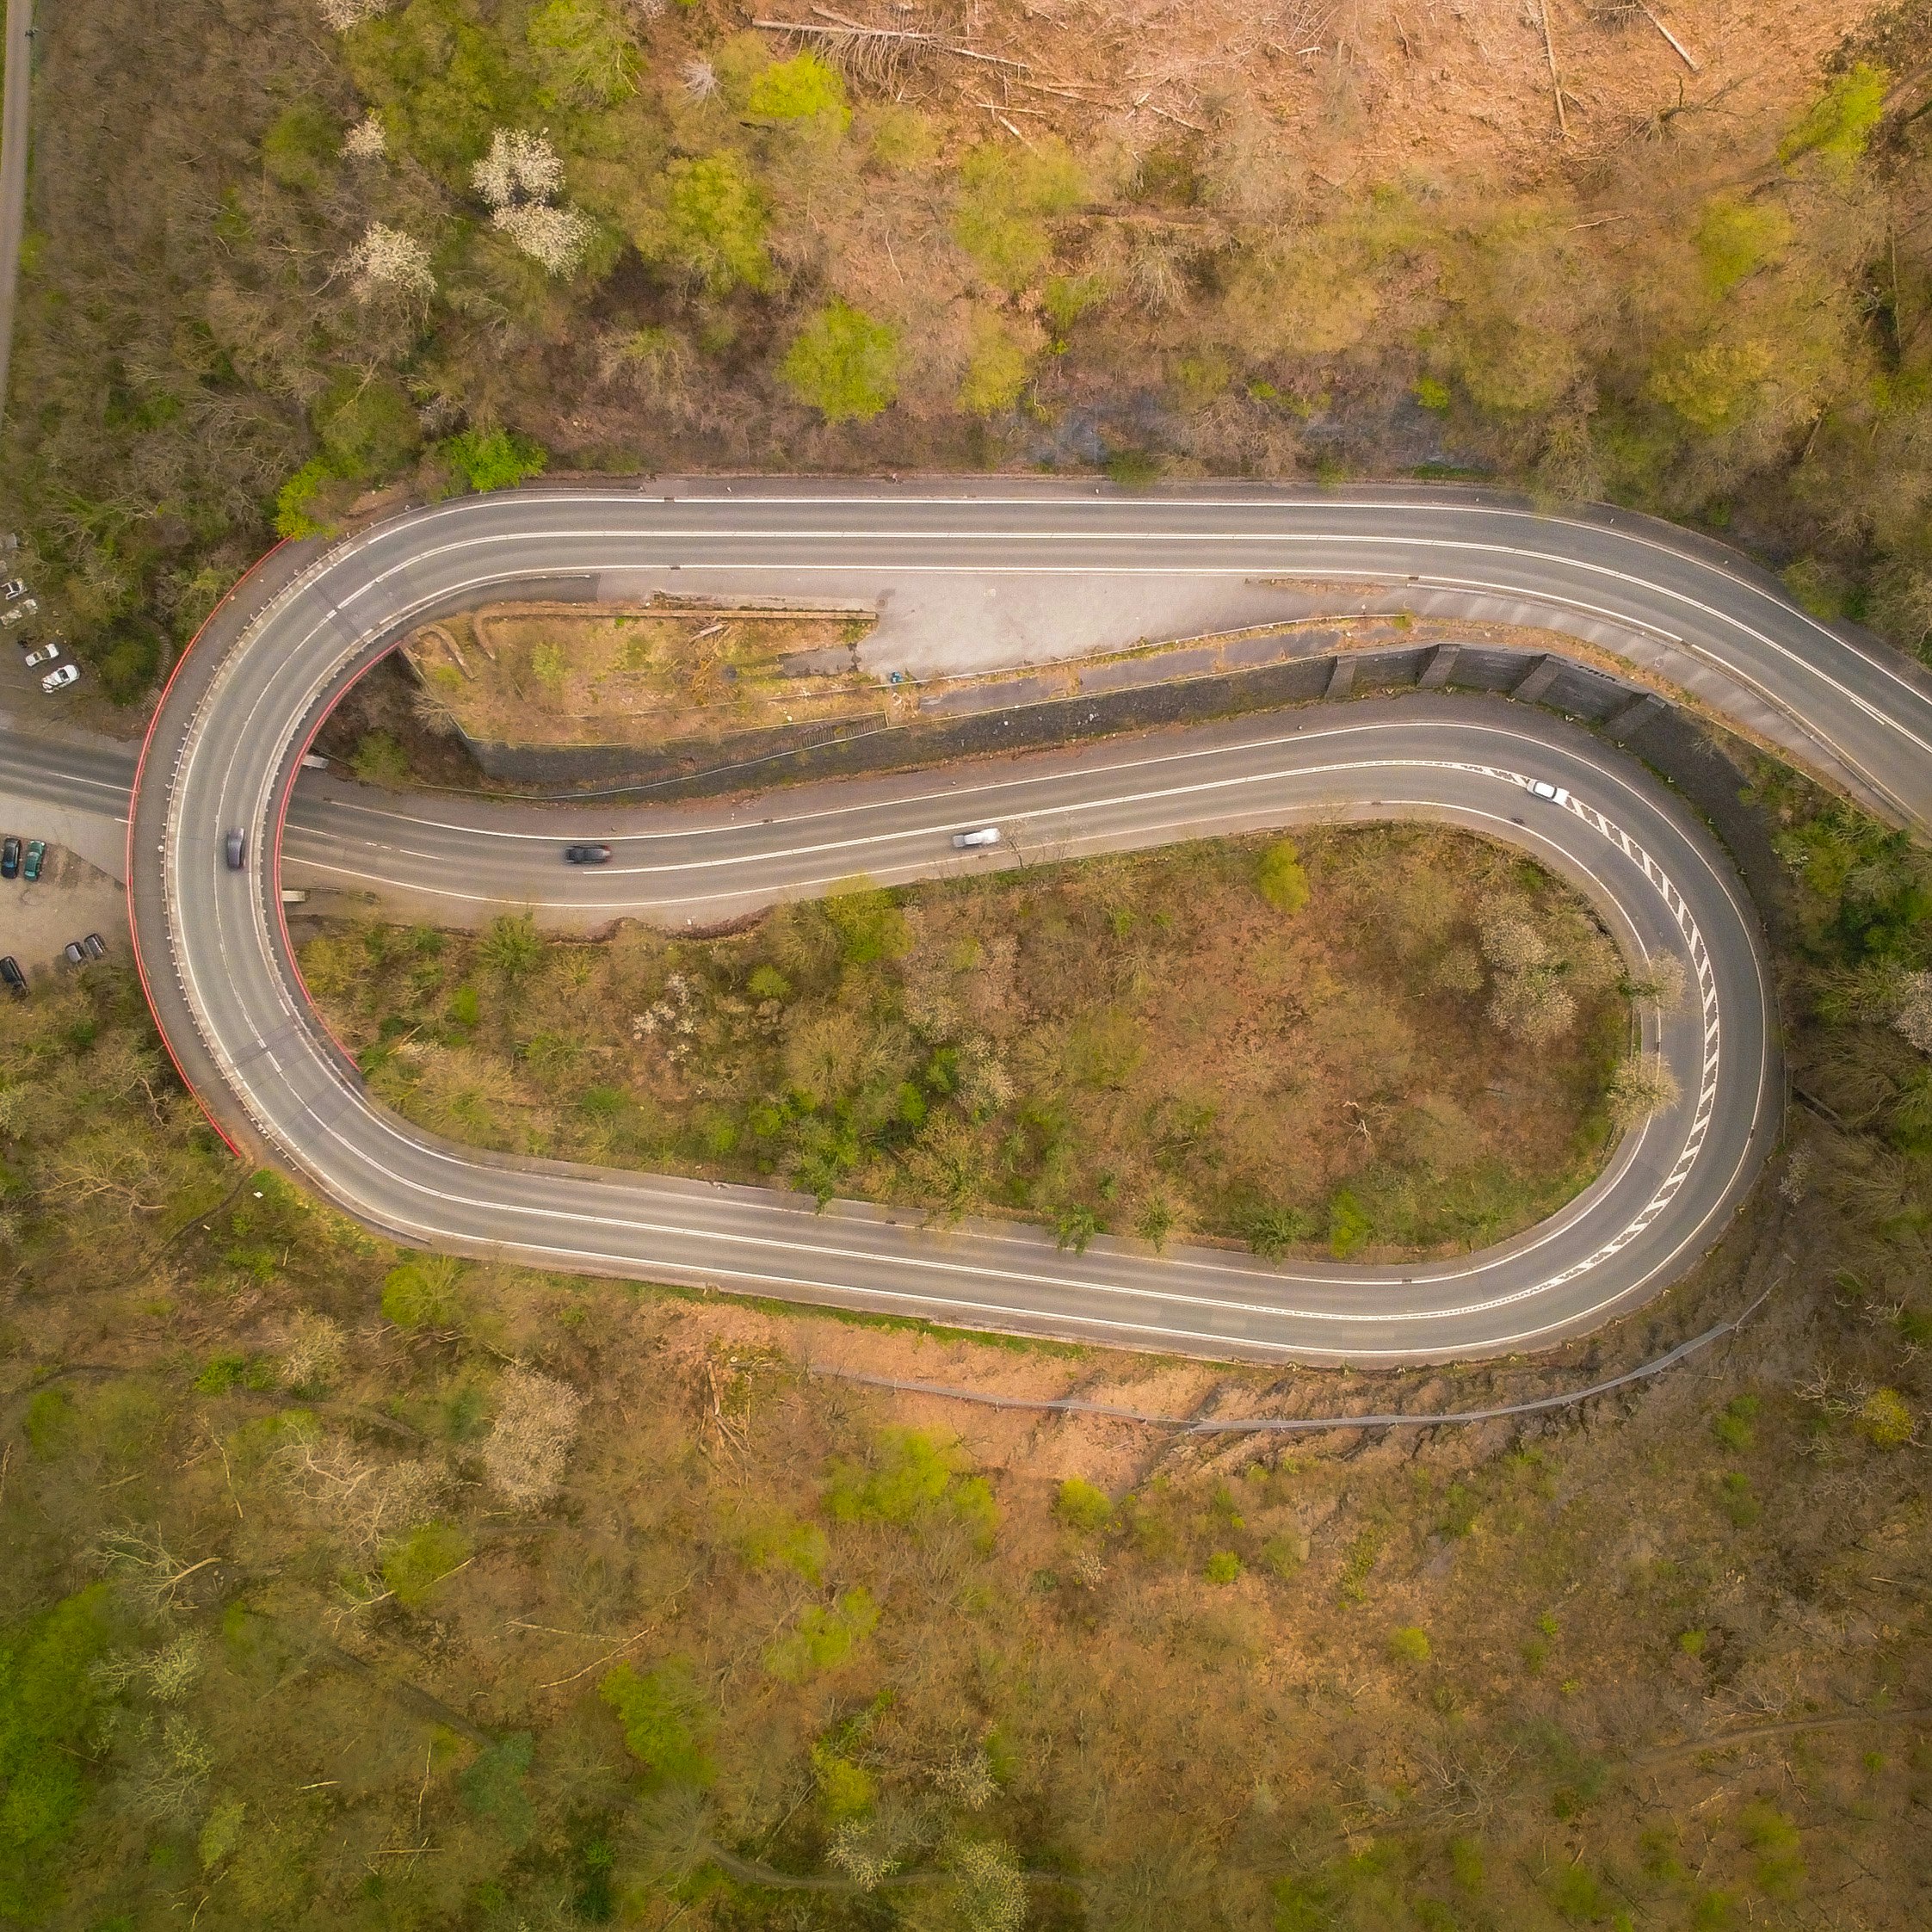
[1410,1644]
[413,1567]
[1348,1225]
[909,1475]
[582,53]
[512,946]
[803,88]
[1839,124]
[997,365]
[1732,1427]
[379,759]
[1083,1508]
[1280,878]
[422,1293]
[495,1787]
[781,1542]
[869,924]
[47,1700]
[667,1720]
[824,1637]
[1884,1420]
[1224,1566]
[367,425]
[50,1423]
[843,364]
[1273,1231]
[493,458]
[766,981]
[1737,239]
[299,508]
[709,219]
[299,149]
[1007,195]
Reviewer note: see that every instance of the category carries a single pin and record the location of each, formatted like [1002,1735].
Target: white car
[64,675]
[12,591]
[46,655]
[27,609]
[1553,794]
[987,835]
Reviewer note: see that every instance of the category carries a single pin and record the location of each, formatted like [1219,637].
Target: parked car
[587,855]
[17,612]
[96,947]
[15,979]
[45,655]
[10,859]
[73,954]
[36,855]
[12,591]
[236,845]
[987,835]
[57,679]
[1551,794]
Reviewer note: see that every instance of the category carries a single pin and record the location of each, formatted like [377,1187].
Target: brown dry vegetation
[1414,1059]
[555,675]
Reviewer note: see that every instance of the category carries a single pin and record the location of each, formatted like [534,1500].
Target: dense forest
[282,256]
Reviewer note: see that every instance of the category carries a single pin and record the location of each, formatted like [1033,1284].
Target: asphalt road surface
[225,751]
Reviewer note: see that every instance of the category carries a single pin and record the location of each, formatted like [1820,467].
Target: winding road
[224,751]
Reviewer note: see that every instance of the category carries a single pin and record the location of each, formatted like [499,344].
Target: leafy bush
[1224,1566]
[582,53]
[1081,1507]
[413,1567]
[299,150]
[1410,1644]
[1840,122]
[824,1637]
[909,1474]
[1006,196]
[1732,1426]
[367,425]
[380,759]
[512,946]
[666,1719]
[709,219]
[298,511]
[1348,1225]
[493,458]
[422,1293]
[996,368]
[496,1788]
[46,1706]
[801,89]
[781,1542]
[843,364]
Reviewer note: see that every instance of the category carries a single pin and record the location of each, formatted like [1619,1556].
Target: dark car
[15,979]
[96,947]
[10,859]
[36,852]
[237,844]
[73,953]
[587,855]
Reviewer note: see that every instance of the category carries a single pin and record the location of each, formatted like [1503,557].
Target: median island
[1365,1042]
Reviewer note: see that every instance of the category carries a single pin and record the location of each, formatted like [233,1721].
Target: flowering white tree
[555,237]
[519,178]
[520,167]
[342,15]
[368,140]
[387,259]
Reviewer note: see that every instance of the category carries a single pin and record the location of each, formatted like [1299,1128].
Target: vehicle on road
[587,855]
[15,979]
[74,953]
[36,856]
[1552,794]
[987,835]
[96,947]
[29,608]
[10,859]
[236,845]
[12,591]
[64,675]
[45,655]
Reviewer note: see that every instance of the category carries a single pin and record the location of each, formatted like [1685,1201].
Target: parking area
[69,900]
